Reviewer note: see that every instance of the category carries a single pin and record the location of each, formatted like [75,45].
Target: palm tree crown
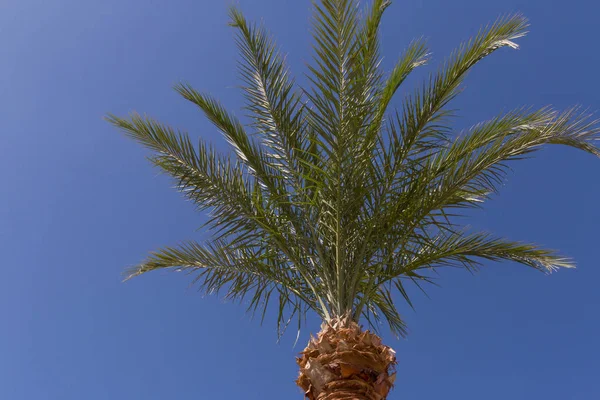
[334,200]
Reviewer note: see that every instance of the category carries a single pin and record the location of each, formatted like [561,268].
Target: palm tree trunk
[346,363]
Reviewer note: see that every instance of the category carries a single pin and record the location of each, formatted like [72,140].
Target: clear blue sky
[79,202]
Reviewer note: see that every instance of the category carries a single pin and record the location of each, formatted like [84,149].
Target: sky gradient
[79,202]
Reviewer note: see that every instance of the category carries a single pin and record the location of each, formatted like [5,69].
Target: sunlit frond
[275,106]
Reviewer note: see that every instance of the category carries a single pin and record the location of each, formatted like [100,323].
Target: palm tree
[334,201]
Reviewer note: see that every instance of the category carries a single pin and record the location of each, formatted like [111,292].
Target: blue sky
[79,202]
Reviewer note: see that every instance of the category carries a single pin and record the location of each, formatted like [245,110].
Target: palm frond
[451,250]
[244,272]
[475,164]
[333,202]
[269,90]
[467,250]
[249,152]
[380,307]
[424,112]
[208,179]
[415,56]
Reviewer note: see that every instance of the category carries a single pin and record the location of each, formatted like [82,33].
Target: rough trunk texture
[346,363]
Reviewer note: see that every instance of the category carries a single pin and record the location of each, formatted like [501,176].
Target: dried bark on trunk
[346,363]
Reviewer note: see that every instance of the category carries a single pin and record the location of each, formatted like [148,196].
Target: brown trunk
[345,363]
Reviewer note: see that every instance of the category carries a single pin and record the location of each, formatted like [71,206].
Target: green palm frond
[249,152]
[275,106]
[242,271]
[208,179]
[333,201]
[467,251]
[424,113]
[464,173]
